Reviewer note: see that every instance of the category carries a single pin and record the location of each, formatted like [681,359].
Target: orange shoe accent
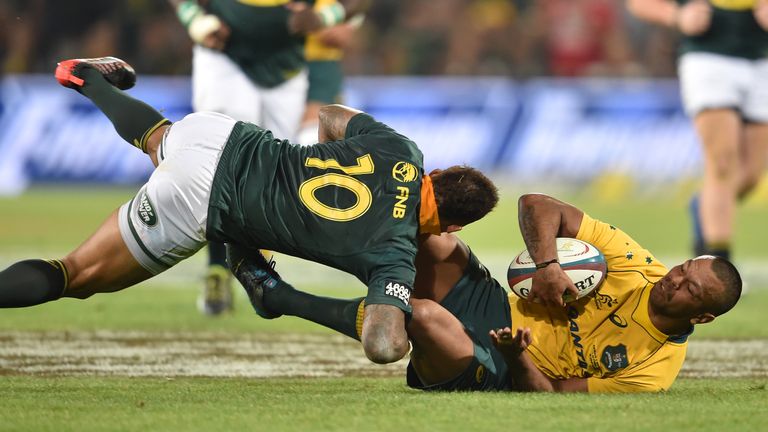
[64,74]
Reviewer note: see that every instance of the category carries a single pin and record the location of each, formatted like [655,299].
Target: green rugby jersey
[733,32]
[351,204]
[260,42]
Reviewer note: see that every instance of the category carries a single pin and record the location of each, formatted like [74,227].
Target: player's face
[687,290]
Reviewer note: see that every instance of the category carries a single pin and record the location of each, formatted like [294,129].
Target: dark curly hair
[727,273]
[463,195]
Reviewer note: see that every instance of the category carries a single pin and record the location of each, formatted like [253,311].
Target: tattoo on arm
[333,121]
[529,230]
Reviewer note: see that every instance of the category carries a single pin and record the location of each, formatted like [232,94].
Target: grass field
[145,359]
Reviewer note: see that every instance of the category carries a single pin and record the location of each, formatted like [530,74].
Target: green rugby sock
[133,120]
[344,316]
[32,282]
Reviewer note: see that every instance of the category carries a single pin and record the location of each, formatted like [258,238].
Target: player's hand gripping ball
[580,261]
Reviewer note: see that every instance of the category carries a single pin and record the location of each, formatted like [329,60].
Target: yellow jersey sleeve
[653,375]
[621,251]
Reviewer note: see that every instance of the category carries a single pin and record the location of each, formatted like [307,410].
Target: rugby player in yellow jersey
[630,336]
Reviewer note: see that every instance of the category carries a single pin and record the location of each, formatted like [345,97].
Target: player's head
[698,290]
[463,195]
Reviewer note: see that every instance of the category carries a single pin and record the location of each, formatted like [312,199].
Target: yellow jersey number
[363,195]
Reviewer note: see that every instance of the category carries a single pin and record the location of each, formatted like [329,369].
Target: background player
[356,204]
[248,63]
[324,51]
[723,73]
[631,336]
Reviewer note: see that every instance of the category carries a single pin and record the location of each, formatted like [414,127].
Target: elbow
[385,352]
[531,200]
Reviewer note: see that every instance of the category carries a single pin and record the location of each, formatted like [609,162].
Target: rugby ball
[581,261]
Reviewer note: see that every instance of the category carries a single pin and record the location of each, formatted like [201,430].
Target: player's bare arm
[542,219]
[525,375]
[440,263]
[333,121]
[760,12]
[692,18]
[384,336]
[304,19]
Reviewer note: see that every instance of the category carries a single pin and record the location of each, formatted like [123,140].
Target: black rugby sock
[722,250]
[32,282]
[344,316]
[134,120]
[217,254]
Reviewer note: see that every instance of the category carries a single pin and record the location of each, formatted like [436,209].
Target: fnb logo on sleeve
[398,211]
[398,290]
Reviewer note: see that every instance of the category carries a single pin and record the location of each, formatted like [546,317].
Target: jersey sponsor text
[398,211]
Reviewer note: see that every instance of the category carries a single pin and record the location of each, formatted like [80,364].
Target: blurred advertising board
[541,129]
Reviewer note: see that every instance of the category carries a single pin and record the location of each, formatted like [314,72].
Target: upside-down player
[629,337]
[356,203]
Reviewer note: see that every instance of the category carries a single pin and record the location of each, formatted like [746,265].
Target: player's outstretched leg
[102,81]
[271,296]
[103,263]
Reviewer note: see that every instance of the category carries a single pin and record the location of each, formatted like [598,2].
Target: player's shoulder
[381,138]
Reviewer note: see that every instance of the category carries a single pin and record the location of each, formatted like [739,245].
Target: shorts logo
[480,374]
[404,172]
[146,211]
[614,357]
[398,290]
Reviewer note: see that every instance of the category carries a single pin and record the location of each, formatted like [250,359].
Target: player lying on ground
[630,336]
[356,203]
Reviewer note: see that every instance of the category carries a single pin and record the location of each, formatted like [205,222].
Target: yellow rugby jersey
[607,337]
[314,50]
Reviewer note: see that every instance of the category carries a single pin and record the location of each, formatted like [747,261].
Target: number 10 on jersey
[363,196]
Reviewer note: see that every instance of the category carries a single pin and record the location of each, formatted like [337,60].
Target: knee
[723,165]
[421,317]
[748,182]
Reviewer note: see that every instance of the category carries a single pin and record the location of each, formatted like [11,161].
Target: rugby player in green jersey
[248,63]
[630,336]
[723,72]
[356,202]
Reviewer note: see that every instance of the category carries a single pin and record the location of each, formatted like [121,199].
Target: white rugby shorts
[710,80]
[166,221]
[218,84]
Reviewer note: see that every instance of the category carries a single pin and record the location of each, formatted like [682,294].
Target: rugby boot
[256,274]
[117,72]
[216,297]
